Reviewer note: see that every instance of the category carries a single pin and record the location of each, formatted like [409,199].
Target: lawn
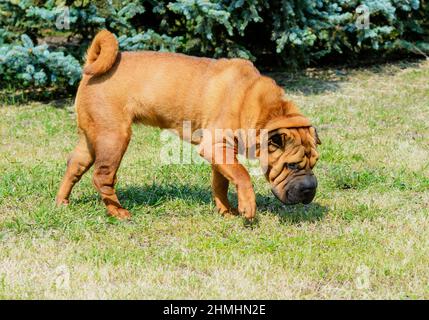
[366,235]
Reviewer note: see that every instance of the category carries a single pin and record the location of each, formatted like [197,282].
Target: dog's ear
[294,120]
[318,141]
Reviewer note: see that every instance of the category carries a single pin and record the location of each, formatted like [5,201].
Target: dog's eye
[276,140]
[292,166]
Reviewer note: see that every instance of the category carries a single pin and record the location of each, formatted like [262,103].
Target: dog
[163,90]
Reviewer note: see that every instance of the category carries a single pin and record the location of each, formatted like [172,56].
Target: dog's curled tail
[101,54]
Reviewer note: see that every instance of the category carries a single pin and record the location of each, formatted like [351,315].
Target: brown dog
[165,89]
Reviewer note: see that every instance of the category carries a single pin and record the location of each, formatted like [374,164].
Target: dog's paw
[61,202]
[247,210]
[119,213]
[228,211]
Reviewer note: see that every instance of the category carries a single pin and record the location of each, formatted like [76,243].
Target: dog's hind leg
[80,160]
[109,150]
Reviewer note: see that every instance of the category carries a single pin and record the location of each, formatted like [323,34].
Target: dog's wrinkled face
[292,155]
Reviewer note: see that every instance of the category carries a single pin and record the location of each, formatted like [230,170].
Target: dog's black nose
[300,189]
[307,188]
[307,184]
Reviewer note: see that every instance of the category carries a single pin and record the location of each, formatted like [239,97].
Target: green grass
[366,235]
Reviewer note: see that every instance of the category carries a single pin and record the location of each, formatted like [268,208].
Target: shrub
[36,66]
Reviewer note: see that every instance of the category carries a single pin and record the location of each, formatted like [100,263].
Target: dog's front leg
[235,173]
[239,176]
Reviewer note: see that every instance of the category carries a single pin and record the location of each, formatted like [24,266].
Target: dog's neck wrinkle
[270,106]
[254,116]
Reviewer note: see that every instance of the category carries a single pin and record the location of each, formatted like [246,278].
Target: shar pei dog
[223,100]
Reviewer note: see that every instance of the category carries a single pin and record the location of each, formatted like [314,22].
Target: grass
[366,235]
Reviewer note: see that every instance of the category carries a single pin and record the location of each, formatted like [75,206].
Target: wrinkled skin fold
[292,155]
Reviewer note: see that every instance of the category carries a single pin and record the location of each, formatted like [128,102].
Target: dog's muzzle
[299,189]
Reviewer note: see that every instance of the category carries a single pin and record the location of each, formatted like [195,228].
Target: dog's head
[291,156]
[290,151]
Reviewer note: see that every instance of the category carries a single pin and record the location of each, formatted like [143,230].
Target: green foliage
[286,32]
[36,65]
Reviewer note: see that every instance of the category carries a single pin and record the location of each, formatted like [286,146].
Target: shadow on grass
[291,214]
[312,81]
[59,98]
[155,195]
